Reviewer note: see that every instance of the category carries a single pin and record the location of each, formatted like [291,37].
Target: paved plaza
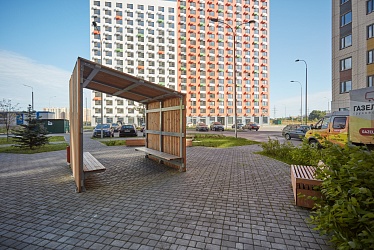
[228,199]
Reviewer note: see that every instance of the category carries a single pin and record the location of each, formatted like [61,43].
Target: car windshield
[201,124]
[127,127]
[104,126]
[217,123]
[114,124]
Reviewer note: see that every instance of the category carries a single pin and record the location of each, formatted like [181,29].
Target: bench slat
[159,154]
[91,164]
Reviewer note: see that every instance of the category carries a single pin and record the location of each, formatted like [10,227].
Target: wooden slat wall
[76,116]
[153,123]
[171,122]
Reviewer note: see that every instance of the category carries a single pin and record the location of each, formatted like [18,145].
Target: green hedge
[346,212]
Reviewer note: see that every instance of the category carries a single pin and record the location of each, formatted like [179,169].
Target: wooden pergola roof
[110,81]
[165,115]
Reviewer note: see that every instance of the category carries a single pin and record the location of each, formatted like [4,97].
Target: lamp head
[214,19]
[292,81]
[297,60]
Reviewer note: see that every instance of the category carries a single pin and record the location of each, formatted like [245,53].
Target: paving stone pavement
[227,199]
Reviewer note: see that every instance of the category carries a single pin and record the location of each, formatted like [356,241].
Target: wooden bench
[91,165]
[135,142]
[303,182]
[173,159]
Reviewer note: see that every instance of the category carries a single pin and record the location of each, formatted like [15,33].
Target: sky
[41,41]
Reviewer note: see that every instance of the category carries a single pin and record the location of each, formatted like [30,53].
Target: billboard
[361,115]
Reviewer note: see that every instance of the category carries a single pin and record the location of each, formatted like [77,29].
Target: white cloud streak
[50,84]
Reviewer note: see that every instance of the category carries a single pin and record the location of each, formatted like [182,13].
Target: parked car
[115,127]
[216,126]
[295,131]
[239,126]
[202,127]
[128,130]
[108,130]
[251,126]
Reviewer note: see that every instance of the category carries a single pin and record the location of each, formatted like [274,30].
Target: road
[262,135]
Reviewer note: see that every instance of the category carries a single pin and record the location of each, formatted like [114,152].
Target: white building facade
[138,38]
[178,45]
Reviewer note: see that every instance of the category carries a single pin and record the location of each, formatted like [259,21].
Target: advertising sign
[361,115]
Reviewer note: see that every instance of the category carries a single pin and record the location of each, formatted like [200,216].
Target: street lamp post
[101,93]
[32,95]
[306,89]
[234,47]
[301,101]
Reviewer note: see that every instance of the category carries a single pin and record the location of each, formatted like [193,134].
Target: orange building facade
[206,60]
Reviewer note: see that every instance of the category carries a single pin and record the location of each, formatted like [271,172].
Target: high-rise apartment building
[352,49]
[175,44]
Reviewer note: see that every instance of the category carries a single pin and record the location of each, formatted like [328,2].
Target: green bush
[114,142]
[278,150]
[346,211]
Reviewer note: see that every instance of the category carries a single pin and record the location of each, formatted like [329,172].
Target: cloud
[50,84]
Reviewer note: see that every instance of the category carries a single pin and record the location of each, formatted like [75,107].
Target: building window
[370,81]
[346,19]
[371,56]
[369,6]
[343,1]
[370,31]
[345,86]
[346,63]
[346,41]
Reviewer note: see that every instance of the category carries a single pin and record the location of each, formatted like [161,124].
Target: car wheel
[313,143]
[223,130]
[256,129]
[287,136]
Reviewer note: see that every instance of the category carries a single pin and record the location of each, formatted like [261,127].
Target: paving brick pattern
[227,199]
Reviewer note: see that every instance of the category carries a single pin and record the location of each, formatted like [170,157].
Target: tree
[33,134]
[316,115]
[8,114]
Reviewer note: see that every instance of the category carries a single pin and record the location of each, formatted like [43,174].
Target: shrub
[114,142]
[347,210]
[276,149]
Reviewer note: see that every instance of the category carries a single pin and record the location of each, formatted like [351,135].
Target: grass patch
[45,148]
[114,142]
[56,138]
[220,141]
[4,140]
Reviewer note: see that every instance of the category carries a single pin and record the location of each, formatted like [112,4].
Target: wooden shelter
[165,113]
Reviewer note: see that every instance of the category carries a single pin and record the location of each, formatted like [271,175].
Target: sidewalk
[227,199]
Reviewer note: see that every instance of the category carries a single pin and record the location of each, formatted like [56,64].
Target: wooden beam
[91,76]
